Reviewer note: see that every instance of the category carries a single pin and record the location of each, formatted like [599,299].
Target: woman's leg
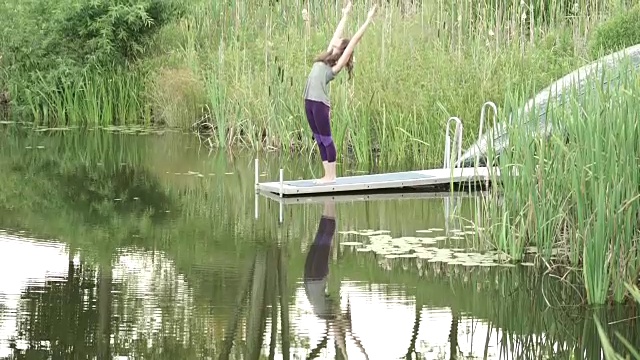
[322,118]
[309,109]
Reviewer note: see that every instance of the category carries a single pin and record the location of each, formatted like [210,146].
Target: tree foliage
[47,42]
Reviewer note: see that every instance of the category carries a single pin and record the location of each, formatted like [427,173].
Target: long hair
[331,58]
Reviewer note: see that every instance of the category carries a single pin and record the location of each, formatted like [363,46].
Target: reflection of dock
[449,176]
[451,199]
[340,198]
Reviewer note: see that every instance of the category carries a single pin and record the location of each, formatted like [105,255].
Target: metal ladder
[451,203]
[457,136]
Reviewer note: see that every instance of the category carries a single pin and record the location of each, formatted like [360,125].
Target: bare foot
[324,180]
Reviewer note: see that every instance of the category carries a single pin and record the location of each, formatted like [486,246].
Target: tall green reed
[461,55]
[575,192]
[95,98]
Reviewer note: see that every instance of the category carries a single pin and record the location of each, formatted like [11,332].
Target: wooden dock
[434,179]
[422,179]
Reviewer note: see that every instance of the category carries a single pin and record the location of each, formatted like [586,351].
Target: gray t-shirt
[319,77]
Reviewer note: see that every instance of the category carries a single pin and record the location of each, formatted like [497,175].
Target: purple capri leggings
[316,266]
[318,115]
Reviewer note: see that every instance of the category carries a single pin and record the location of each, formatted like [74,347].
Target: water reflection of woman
[316,270]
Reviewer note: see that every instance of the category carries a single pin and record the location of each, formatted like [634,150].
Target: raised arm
[344,58]
[340,28]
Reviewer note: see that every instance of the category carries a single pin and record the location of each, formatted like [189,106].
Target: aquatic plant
[573,195]
[607,348]
[96,98]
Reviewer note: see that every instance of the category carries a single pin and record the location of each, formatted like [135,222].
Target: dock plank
[399,180]
[366,179]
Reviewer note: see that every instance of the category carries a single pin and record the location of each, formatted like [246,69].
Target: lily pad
[383,244]
[374,232]
[349,232]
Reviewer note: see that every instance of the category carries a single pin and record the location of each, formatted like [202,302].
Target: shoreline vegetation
[237,70]
[571,198]
[241,68]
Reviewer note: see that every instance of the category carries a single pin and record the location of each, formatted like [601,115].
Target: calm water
[147,247]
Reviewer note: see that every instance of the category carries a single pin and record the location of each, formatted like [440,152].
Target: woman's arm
[344,58]
[340,28]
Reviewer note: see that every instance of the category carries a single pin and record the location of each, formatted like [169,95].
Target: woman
[316,98]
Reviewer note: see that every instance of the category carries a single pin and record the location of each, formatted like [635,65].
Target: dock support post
[257,173]
[281,182]
[281,218]
[256,205]
[447,209]
[257,180]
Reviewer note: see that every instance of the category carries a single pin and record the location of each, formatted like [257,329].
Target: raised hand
[372,12]
[347,9]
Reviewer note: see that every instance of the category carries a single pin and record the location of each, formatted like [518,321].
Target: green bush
[617,33]
[48,44]
[102,32]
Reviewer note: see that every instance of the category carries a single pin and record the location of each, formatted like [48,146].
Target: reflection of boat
[556,91]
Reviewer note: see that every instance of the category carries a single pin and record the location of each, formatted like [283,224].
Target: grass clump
[575,195]
[177,93]
[617,33]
